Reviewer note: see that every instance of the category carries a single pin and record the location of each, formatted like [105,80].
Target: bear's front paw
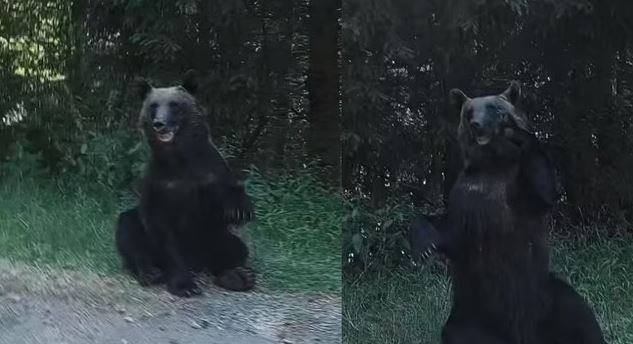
[240,211]
[423,238]
[183,286]
[426,253]
[150,276]
[236,279]
[520,138]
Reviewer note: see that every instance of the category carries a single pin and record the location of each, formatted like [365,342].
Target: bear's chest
[181,199]
[484,191]
[480,199]
[483,214]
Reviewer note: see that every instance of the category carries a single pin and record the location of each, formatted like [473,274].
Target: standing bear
[495,235]
[189,200]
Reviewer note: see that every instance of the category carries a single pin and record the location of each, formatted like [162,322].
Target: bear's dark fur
[428,234]
[494,235]
[189,201]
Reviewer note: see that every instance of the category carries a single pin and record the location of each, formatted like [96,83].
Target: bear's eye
[152,110]
[173,104]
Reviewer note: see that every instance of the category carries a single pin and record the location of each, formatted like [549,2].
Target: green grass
[295,242]
[411,306]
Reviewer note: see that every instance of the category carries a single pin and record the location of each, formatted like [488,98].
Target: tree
[323,85]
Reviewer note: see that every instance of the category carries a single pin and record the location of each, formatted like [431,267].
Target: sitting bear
[189,200]
[494,235]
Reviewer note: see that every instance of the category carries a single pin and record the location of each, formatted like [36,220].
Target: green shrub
[376,238]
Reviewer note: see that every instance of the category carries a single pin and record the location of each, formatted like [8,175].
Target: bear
[494,234]
[428,234]
[190,200]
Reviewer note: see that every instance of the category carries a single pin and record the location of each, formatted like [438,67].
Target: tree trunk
[324,134]
[75,67]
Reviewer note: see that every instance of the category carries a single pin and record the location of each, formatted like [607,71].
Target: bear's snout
[158,125]
[477,127]
[480,131]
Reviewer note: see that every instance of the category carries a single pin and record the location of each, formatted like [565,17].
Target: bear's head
[171,116]
[491,131]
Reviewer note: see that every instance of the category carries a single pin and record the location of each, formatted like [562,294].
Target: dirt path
[69,307]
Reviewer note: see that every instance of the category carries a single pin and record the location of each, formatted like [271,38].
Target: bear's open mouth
[165,137]
[483,140]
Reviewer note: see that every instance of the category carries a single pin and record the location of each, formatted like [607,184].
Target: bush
[114,160]
[376,238]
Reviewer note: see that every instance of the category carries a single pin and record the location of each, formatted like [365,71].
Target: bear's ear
[513,93]
[457,98]
[190,81]
[142,87]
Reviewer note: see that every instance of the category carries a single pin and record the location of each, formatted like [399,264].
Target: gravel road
[80,307]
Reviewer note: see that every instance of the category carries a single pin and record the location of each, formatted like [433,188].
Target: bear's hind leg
[180,280]
[468,334]
[134,247]
[227,262]
[571,319]
[462,327]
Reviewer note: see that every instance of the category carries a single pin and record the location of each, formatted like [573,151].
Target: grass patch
[295,243]
[44,223]
[297,240]
[412,306]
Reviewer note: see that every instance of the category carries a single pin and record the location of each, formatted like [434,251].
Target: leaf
[135,148]
[84,148]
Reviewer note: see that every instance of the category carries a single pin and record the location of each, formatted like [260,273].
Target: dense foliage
[402,57]
[68,70]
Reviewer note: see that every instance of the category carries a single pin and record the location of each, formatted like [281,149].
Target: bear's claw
[238,215]
[183,286]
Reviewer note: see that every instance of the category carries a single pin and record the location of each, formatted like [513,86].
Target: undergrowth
[68,221]
[410,305]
